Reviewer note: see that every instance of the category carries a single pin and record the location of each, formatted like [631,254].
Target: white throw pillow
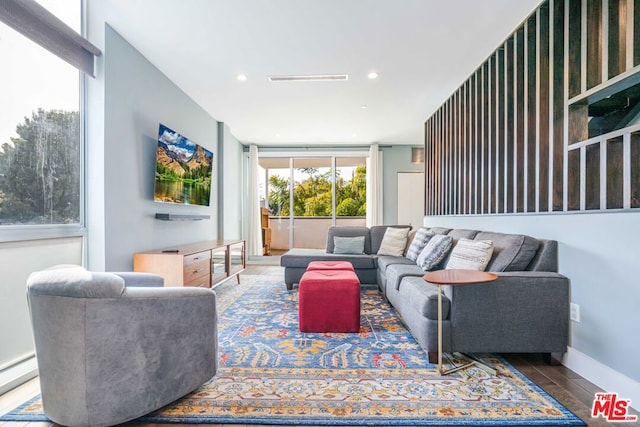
[470,255]
[394,241]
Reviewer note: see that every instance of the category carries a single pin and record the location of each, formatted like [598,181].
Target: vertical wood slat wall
[514,137]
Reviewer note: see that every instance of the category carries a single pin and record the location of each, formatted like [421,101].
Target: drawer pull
[197,271]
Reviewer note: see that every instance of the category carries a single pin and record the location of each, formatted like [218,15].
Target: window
[351,187]
[40,131]
[325,191]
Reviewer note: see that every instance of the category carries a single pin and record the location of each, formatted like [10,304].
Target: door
[411,198]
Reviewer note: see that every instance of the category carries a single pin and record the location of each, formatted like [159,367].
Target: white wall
[600,255]
[396,159]
[17,261]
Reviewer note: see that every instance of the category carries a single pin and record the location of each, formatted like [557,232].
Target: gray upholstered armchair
[114,346]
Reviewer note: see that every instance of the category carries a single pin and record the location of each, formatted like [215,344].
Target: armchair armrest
[167,293]
[141,279]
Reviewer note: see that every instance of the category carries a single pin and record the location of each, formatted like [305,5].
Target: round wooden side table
[455,278]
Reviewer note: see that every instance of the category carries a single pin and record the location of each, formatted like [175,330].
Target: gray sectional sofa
[526,310]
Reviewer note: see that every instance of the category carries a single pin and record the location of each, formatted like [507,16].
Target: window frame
[29,232]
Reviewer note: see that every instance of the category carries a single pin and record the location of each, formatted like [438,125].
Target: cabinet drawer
[202,282]
[197,271]
[197,257]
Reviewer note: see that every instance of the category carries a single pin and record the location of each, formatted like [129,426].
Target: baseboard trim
[603,376]
[18,374]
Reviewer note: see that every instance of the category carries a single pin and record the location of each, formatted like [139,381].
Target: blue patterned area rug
[270,373]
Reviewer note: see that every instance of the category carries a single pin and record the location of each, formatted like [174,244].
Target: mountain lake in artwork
[183,170]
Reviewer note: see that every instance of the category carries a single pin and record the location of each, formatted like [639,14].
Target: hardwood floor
[569,388]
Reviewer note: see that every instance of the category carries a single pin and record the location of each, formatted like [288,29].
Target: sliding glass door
[307,195]
[312,201]
[351,191]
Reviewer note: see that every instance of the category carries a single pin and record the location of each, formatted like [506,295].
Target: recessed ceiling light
[242,77]
[363,106]
[373,75]
[277,135]
[354,135]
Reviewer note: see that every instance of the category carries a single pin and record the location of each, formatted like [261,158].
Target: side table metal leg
[440,329]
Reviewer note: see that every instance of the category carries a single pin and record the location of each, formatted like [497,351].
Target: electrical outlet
[575,312]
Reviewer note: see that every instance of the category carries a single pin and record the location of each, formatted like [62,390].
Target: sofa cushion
[348,231]
[439,230]
[460,233]
[511,252]
[377,234]
[301,258]
[435,250]
[385,261]
[348,245]
[396,272]
[394,241]
[423,297]
[470,254]
[546,258]
[418,243]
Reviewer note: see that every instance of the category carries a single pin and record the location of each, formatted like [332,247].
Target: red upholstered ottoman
[330,265]
[329,301]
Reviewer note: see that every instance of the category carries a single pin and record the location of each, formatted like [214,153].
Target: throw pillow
[418,243]
[393,241]
[434,251]
[348,245]
[470,255]
[410,237]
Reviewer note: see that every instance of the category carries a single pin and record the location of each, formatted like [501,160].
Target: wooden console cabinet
[204,264]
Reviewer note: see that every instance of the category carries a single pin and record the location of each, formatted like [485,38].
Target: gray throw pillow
[418,243]
[434,252]
[348,245]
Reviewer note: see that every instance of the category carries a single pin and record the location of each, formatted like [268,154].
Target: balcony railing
[309,231]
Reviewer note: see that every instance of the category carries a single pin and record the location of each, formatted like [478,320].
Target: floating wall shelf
[176,217]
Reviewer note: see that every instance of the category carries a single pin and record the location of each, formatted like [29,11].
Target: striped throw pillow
[393,241]
[418,243]
[470,255]
[434,252]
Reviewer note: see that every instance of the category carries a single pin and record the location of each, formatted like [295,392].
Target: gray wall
[395,159]
[599,254]
[231,188]
[138,97]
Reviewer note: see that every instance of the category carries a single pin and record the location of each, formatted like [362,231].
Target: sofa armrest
[527,308]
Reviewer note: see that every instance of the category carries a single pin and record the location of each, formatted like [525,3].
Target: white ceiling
[422,49]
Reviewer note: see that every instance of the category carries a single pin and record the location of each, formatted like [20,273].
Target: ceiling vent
[310,78]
